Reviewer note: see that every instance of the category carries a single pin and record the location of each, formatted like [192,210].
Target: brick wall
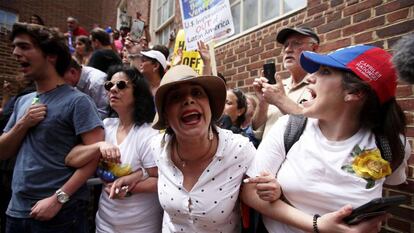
[339,23]
[142,6]
[8,66]
[54,14]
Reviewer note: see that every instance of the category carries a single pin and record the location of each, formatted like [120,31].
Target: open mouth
[289,58]
[312,93]
[24,64]
[191,117]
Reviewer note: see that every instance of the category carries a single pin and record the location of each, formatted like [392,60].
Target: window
[250,13]
[123,20]
[7,19]
[165,18]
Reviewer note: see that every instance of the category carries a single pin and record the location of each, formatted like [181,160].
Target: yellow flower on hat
[370,165]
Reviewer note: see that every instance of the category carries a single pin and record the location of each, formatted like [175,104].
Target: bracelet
[145,174]
[315,223]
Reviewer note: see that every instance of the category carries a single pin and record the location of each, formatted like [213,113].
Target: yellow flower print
[368,164]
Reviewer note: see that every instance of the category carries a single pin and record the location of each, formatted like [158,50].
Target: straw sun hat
[212,85]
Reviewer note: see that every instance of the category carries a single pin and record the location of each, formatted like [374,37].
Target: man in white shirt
[91,82]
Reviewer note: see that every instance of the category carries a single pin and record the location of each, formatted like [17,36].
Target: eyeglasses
[133,56]
[294,44]
[145,59]
[119,84]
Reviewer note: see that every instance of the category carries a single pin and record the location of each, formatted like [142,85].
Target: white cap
[157,55]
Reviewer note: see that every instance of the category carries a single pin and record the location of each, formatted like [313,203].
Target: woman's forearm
[277,210]
[81,155]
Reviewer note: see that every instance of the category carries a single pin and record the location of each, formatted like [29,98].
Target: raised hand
[203,50]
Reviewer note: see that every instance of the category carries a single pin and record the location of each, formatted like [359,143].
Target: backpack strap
[384,146]
[295,126]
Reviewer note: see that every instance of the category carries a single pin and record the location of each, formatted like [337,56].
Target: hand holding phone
[269,71]
[374,208]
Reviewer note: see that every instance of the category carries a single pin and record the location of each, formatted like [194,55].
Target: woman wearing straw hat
[200,165]
[336,161]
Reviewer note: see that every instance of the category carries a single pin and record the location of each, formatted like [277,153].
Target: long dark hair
[385,119]
[144,107]
[241,103]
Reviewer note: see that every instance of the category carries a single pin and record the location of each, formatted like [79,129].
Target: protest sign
[205,20]
[190,58]
[137,29]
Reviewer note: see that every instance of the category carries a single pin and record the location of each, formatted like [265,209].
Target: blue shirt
[40,164]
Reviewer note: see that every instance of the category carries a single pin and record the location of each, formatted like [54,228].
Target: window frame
[156,27]
[6,26]
[122,8]
[259,16]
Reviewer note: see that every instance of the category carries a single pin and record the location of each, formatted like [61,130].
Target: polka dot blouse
[212,204]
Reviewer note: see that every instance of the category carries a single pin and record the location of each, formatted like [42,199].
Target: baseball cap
[157,55]
[370,63]
[284,33]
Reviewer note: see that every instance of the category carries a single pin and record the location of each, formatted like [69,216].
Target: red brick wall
[54,14]
[339,23]
[142,6]
[8,66]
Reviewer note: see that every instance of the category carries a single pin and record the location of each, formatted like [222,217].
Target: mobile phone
[269,71]
[374,208]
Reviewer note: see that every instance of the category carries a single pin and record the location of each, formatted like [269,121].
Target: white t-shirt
[212,204]
[141,212]
[311,176]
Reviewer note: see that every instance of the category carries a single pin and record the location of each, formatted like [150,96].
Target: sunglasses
[119,84]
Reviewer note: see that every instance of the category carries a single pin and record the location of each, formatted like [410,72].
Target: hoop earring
[210,133]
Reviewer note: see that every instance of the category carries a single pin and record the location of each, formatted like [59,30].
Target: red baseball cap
[370,63]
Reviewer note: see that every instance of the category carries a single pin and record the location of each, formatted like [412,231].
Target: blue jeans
[72,218]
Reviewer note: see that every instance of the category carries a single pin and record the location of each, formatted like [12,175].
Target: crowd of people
[176,151]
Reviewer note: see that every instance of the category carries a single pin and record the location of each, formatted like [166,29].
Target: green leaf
[356,150]
[370,183]
[348,168]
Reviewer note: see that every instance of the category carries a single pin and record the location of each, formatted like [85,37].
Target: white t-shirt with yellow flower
[316,176]
[140,212]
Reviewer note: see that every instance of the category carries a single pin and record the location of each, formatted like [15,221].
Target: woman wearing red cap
[336,164]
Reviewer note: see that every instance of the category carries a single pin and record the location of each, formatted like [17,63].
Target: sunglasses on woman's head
[119,84]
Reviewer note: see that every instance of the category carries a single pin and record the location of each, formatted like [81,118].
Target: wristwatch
[62,197]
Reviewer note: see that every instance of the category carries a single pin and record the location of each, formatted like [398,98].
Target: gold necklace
[183,162]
